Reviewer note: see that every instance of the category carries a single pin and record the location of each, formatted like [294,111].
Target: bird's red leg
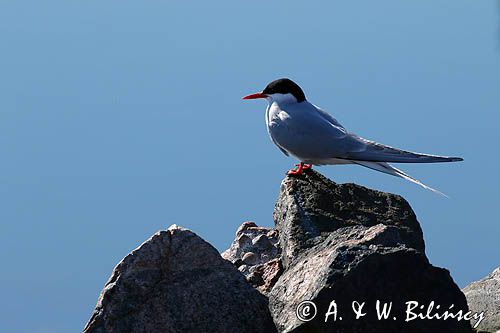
[299,170]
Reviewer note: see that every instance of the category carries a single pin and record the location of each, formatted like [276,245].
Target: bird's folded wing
[328,117]
[308,136]
[316,135]
[376,152]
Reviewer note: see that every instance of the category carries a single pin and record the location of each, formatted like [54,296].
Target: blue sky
[119,118]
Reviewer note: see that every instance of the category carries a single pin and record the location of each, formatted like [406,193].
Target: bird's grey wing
[315,135]
[279,147]
[328,117]
[310,135]
[377,152]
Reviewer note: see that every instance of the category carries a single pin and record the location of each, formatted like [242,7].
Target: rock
[347,243]
[484,295]
[264,276]
[251,238]
[340,243]
[311,206]
[363,264]
[254,252]
[250,258]
[262,241]
[177,282]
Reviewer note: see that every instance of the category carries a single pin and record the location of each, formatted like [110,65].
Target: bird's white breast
[272,112]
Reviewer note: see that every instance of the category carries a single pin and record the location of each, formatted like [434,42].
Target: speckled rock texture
[484,295]
[347,243]
[177,282]
[331,242]
[311,206]
[255,252]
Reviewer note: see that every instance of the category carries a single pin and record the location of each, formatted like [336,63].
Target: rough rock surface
[255,251]
[177,282]
[349,243]
[332,242]
[311,206]
[484,295]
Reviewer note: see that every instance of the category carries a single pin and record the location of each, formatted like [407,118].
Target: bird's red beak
[255,96]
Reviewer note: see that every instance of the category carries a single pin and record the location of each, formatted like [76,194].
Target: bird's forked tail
[389,169]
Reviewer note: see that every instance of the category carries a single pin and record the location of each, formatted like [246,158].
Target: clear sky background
[120,118]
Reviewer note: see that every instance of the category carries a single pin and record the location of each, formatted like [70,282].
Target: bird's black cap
[285,86]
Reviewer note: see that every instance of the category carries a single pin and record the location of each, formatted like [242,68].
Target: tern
[303,130]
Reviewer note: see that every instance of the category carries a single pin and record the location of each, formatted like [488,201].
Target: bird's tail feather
[389,169]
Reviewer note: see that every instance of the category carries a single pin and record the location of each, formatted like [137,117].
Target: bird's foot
[299,170]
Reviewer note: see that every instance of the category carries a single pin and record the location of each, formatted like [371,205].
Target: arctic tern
[303,130]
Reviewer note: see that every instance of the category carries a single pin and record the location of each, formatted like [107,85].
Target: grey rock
[311,206]
[262,241]
[255,251]
[244,242]
[264,276]
[177,282]
[347,243]
[332,242]
[484,295]
[250,258]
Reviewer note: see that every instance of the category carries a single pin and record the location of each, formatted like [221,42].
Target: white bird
[304,131]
